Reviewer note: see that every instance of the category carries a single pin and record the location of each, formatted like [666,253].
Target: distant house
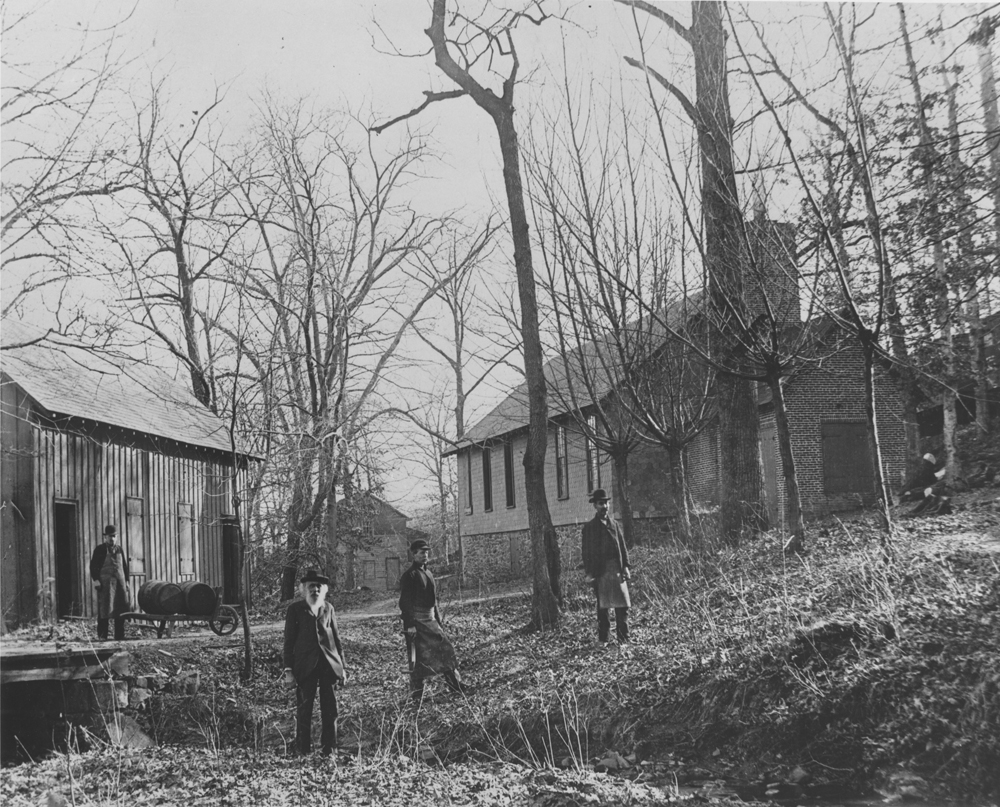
[829,440]
[89,440]
[384,552]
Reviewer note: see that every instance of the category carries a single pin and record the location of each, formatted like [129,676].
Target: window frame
[593,456]
[562,462]
[508,473]
[486,457]
[469,498]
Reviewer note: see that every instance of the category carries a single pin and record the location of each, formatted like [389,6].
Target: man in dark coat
[605,564]
[314,659]
[928,489]
[109,571]
[429,649]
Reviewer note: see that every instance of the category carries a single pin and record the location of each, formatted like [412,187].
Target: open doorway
[67,560]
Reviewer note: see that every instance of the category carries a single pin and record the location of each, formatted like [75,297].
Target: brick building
[825,403]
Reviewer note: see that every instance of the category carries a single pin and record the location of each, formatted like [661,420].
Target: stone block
[137,696]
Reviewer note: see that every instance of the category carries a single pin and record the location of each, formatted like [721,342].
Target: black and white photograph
[499,402]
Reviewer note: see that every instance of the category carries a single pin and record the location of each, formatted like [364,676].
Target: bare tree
[723,254]
[177,229]
[59,151]
[457,55]
[860,314]
[336,275]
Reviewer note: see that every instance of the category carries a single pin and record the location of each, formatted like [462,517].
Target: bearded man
[314,659]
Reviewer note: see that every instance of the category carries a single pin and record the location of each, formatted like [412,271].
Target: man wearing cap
[109,571]
[429,649]
[314,659]
[605,564]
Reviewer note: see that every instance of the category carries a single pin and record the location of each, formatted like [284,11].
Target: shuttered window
[562,463]
[508,472]
[593,456]
[185,538]
[847,463]
[468,481]
[487,479]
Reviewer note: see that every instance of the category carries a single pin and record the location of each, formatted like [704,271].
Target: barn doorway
[67,559]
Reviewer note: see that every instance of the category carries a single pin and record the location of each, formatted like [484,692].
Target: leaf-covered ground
[783,678]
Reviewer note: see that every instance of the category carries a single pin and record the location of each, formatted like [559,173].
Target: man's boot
[102,629]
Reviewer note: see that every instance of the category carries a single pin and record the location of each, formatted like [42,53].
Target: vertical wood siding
[100,478]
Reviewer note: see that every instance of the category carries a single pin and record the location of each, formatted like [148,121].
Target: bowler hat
[599,496]
[312,576]
[419,544]
[110,530]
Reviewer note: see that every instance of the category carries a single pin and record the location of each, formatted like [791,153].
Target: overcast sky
[345,54]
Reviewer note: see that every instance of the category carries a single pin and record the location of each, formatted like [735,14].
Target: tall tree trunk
[949,396]
[983,39]
[883,497]
[679,492]
[624,497]
[546,595]
[793,499]
[741,480]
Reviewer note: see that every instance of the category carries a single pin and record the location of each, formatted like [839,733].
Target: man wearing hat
[314,659]
[605,564]
[109,571]
[428,647]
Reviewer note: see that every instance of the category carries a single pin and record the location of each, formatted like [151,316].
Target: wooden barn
[90,440]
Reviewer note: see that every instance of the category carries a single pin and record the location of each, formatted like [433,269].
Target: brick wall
[834,391]
[702,465]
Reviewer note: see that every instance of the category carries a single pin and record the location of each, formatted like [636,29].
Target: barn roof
[68,378]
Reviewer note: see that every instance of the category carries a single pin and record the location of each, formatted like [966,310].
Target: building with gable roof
[826,407]
[90,439]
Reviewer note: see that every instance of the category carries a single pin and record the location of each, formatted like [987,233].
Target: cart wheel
[224,621]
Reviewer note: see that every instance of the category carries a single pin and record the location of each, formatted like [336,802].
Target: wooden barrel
[160,597]
[199,598]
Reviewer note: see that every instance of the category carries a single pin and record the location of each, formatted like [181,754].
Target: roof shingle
[68,378]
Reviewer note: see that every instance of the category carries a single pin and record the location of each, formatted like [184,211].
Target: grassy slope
[743,666]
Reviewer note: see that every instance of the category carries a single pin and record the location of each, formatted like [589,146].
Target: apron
[435,653]
[113,599]
[612,590]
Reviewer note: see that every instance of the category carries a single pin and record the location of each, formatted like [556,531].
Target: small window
[487,479]
[185,535]
[562,463]
[847,458]
[468,481]
[508,472]
[593,457]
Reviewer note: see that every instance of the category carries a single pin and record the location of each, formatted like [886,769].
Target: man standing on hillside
[314,659]
[605,564]
[428,647]
[109,570]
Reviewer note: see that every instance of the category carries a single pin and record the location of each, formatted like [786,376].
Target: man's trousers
[321,678]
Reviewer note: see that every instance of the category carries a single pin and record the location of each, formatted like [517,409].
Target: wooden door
[135,543]
[67,560]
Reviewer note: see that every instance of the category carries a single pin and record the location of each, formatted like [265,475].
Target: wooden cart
[223,620]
